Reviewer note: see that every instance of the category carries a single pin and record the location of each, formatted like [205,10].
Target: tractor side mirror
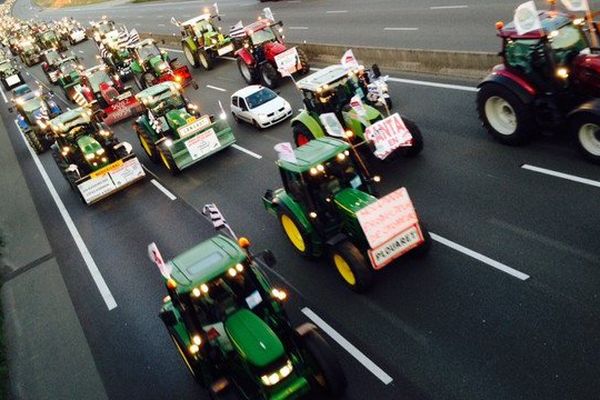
[168,317]
[268,258]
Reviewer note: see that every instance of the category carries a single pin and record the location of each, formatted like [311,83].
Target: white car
[77,35]
[259,106]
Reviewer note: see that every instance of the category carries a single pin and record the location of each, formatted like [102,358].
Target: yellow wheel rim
[146,146]
[344,269]
[182,354]
[293,233]
[165,161]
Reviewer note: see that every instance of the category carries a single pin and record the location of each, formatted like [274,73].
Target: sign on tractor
[288,62]
[388,135]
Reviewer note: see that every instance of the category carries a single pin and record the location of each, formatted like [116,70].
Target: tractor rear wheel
[295,232]
[329,375]
[190,56]
[167,159]
[302,134]
[35,142]
[504,115]
[269,76]
[206,60]
[585,129]
[305,66]
[417,140]
[248,72]
[147,144]
[352,266]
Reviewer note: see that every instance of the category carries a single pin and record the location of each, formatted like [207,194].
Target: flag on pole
[134,37]
[123,38]
[268,13]
[285,152]
[213,214]
[156,257]
[348,60]
[103,52]
[576,5]
[526,18]
[174,21]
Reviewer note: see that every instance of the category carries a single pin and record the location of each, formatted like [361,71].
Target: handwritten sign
[388,135]
[332,124]
[287,62]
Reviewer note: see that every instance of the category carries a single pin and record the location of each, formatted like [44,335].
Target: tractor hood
[178,118]
[253,339]
[273,48]
[350,201]
[88,144]
[158,65]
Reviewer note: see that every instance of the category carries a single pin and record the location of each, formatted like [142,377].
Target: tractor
[151,66]
[202,42]
[328,97]
[328,207]
[48,39]
[263,56]
[29,51]
[100,29]
[50,61]
[10,75]
[94,162]
[173,132]
[549,80]
[229,325]
[69,79]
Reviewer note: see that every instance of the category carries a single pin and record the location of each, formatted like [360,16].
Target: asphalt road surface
[421,24]
[505,305]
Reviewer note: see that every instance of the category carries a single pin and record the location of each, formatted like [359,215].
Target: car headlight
[277,376]
[263,118]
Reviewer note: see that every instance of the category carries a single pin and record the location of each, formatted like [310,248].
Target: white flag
[174,21]
[216,7]
[576,5]
[348,60]
[156,257]
[285,152]
[358,106]
[526,18]
[268,13]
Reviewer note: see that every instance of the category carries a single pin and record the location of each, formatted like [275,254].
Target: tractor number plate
[225,50]
[395,247]
[203,144]
[195,126]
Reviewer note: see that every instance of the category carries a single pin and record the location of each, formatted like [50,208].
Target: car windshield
[97,78]
[262,36]
[165,101]
[567,37]
[148,51]
[261,97]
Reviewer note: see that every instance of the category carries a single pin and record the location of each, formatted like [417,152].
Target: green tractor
[49,39]
[94,162]
[329,95]
[328,207]
[69,79]
[230,328]
[172,132]
[29,51]
[202,41]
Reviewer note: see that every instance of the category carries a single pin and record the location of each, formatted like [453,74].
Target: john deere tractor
[69,79]
[48,40]
[172,131]
[151,66]
[203,42]
[230,327]
[328,208]
[10,75]
[29,51]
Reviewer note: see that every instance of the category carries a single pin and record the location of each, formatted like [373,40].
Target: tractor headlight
[562,73]
[277,376]
[100,152]
[104,132]
[168,143]
[90,156]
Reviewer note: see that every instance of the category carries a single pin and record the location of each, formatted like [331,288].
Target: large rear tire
[352,266]
[269,76]
[305,65]
[34,142]
[507,118]
[296,234]
[248,73]
[585,128]
[190,56]
[167,159]
[147,144]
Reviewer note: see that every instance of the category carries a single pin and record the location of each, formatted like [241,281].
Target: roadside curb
[457,64]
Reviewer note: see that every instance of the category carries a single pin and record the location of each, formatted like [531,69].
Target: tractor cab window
[52,57]
[165,101]
[148,51]
[293,184]
[68,67]
[262,36]
[105,28]
[327,179]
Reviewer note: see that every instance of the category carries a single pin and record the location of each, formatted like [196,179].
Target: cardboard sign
[288,62]
[358,106]
[110,179]
[332,124]
[348,60]
[194,127]
[395,247]
[576,5]
[13,80]
[387,217]
[203,144]
[388,135]
[285,152]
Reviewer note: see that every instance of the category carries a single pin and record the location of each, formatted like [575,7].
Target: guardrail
[460,64]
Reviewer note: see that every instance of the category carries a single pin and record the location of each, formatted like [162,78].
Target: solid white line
[163,189]
[447,7]
[336,12]
[349,347]
[85,253]
[478,256]
[216,88]
[557,174]
[400,29]
[173,50]
[297,28]
[161,25]
[245,150]
[434,84]
[3,95]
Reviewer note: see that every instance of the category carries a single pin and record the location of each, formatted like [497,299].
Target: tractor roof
[156,89]
[314,153]
[70,118]
[322,77]
[257,26]
[551,21]
[205,261]
[193,21]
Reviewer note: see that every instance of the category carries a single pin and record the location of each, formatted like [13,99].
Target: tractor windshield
[261,97]
[568,37]
[68,67]
[105,28]
[326,179]
[5,66]
[164,101]
[262,36]
[202,27]
[52,57]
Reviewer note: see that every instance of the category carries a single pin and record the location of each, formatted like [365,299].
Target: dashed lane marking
[561,175]
[216,88]
[163,189]
[245,150]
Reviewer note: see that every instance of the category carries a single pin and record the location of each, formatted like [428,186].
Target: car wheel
[295,232]
[352,266]
[247,72]
[302,135]
[417,139]
[504,115]
[585,129]
[189,56]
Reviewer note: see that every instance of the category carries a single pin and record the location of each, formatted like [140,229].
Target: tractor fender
[310,122]
[525,91]
[188,41]
[589,107]
[245,55]
[286,202]
[142,123]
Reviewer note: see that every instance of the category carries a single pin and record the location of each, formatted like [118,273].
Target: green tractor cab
[48,40]
[330,94]
[172,132]
[94,162]
[229,325]
[69,79]
[327,207]
[202,41]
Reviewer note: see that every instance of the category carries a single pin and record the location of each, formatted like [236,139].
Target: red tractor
[263,55]
[549,81]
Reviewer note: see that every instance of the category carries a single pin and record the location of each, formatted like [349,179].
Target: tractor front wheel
[167,159]
[585,129]
[35,142]
[328,375]
[305,66]
[190,56]
[302,135]
[147,144]
[352,266]
[269,76]
[295,232]
[417,139]
[504,115]
[206,60]
[248,72]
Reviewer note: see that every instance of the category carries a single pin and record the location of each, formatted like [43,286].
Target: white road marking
[3,95]
[448,7]
[245,150]
[85,253]
[173,50]
[161,25]
[562,175]
[349,347]
[400,29]
[434,84]
[163,189]
[480,257]
[229,58]
[216,88]
[336,12]
[298,28]
[137,24]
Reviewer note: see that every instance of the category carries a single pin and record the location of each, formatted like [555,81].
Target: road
[417,24]
[452,326]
